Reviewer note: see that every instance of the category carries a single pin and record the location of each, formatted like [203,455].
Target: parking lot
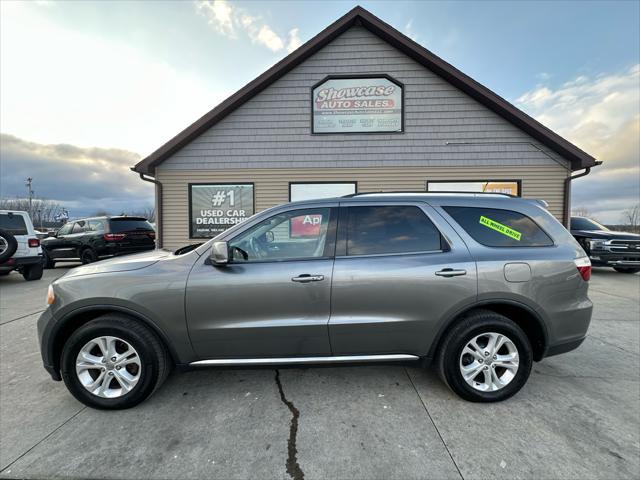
[577,417]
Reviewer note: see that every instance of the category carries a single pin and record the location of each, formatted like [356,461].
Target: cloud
[229,20]
[601,115]
[70,86]
[85,180]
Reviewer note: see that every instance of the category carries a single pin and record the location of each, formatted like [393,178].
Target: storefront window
[312,191]
[511,187]
[215,207]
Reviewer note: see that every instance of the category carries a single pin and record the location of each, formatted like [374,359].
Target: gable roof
[359,16]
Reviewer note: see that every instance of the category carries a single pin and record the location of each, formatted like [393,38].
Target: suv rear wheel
[88,256]
[32,272]
[485,357]
[114,362]
[8,245]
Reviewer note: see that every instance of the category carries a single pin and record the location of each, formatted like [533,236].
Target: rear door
[397,275]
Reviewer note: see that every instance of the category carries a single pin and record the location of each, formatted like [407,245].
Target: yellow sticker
[500,228]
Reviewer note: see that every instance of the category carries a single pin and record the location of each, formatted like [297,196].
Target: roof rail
[422,192]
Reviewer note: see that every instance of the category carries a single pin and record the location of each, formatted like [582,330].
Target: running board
[301,360]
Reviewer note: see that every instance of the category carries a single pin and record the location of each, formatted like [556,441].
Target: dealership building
[358,108]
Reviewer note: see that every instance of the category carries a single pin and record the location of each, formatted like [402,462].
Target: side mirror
[51,234]
[219,253]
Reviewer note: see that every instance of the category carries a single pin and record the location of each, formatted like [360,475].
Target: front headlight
[596,244]
[50,295]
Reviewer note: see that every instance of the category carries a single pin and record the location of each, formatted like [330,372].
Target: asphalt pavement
[577,417]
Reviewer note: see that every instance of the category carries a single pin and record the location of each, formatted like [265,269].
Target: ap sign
[216,207]
[357,105]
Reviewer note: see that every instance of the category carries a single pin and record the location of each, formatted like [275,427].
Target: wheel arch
[524,316]
[83,315]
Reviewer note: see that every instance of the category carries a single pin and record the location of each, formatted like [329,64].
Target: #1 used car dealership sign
[357,105]
[215,207]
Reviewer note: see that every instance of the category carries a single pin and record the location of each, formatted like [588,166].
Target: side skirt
[304,360]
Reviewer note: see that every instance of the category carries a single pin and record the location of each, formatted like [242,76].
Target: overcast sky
[87,88]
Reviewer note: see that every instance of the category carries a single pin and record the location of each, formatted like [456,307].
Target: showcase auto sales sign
[348,105]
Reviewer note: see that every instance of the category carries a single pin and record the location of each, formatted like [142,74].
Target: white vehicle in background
[19,246]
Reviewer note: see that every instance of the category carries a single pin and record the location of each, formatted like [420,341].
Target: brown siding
[272,186]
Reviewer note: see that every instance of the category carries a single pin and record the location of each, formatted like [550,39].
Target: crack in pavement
[20,318]
[293,468]
[424,405]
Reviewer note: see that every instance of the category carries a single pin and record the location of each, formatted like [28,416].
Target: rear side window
[499,228]
[127,225]
[14,224]
[79,227]
[390,229]
[96,225]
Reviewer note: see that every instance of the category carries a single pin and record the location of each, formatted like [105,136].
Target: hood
[120,264]
[606,235]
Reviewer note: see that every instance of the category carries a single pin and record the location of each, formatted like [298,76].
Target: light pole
[30,191]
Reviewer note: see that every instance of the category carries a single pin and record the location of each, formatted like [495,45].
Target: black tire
[154,359]
[47,261]
[8,245]
[626,270]
[32,272]
[473,324]
[88,256]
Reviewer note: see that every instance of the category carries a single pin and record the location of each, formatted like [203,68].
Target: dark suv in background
[91,239]
[607,248]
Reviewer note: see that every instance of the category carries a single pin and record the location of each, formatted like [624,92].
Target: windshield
[582,223]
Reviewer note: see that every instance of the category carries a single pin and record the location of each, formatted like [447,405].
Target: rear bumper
[16,262]
[564,347]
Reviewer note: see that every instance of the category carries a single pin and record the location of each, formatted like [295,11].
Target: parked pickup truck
[606,248]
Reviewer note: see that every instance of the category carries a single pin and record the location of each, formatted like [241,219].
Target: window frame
[506,180]
[343,228]
[332,230]
[323,182]
[464,230]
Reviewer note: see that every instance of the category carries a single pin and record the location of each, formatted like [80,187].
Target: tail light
[152,234]
[34,243]
[113,237]
[584,267]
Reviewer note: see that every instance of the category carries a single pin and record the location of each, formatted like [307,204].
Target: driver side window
[292,235]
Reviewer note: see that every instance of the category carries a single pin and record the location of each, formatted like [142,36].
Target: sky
[95,86]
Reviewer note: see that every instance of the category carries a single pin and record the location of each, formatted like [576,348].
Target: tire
[479,325]
[32,272]
[626,270]
[8,245]
[152,369]
[88,256]
[47,261]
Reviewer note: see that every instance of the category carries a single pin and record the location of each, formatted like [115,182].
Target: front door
[273,298]
[396,277]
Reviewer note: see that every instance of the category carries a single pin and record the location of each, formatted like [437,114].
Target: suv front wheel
[486,357]
[113,362]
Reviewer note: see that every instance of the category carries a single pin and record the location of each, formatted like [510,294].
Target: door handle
[450,272]
[306,278]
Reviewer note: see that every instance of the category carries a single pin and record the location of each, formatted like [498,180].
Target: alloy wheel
[108,367]
[489,362]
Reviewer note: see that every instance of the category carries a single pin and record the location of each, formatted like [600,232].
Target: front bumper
[603,258]
[45,330]
[17,262]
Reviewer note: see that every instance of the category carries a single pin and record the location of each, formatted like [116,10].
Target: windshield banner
[216,207]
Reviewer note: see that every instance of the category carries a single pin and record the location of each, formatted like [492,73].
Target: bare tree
[631,216]
[580,212]
[44,211]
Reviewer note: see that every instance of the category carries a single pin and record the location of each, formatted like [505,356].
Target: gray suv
[480,285]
